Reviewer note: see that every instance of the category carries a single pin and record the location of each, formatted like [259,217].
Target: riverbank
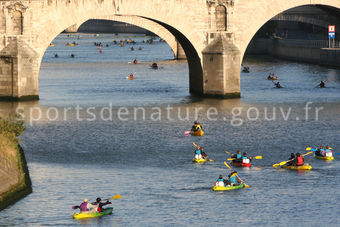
[14,175]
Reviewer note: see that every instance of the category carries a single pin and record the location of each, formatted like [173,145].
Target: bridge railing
[309,43]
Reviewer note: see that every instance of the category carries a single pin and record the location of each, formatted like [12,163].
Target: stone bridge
[213,33]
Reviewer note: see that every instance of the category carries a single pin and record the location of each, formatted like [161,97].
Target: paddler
[233,179]
[154,65]
[220,181]
[298,161]
[199,153]
[245,158]
[196,127]
[237,157]
[322,84]
[100,205]
[132,76]
[320,151]
[85,207]
[135,61]
[324,152]
[278,85]
[291,159]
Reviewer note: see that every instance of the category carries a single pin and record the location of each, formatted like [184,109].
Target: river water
[127,137]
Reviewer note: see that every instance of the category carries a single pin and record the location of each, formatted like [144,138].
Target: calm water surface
[149,162]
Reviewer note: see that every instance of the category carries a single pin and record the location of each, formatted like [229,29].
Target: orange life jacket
[299,161]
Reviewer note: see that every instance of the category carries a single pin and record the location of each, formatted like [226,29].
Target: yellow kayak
[69,44]
[197,133]
[51,45]
[324,158]
[304,167]
[199,160]
[221,188]
[93,215]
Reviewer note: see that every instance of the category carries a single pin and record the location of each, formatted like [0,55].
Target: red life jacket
[299,161]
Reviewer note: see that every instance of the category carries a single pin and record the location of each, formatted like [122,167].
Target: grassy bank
[14,175]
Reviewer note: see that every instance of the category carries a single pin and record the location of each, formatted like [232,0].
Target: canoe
[197,133]
[241,164]
[220,188]
[199,160]
[304,167]
[93,215]
[324,158]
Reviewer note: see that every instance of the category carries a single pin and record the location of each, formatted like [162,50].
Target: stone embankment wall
[297,50]
[15,182]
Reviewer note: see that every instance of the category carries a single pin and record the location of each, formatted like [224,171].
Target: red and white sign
[331,28]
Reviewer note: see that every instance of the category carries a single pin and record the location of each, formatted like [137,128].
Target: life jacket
[299,161]
[233,179]
[238,155]
[83,207]
[219,182]
[198,152]
[245,159]
[328,153]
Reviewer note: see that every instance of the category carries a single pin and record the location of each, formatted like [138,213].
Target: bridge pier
[19,71]
[180,55]
[221,67]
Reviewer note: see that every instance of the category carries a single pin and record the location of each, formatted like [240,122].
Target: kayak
[304,167]
[199,160]
[93,215]
[324,158]
[241,164]
[197,133]
[274,78]
[221,188]
[129,78]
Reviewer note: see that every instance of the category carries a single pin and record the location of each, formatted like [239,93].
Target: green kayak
[221,188]
[93,215]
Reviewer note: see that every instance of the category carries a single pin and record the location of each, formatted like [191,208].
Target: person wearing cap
[86,207]
[233,179]
[99,205]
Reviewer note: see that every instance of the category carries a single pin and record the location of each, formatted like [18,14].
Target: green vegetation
[11,129]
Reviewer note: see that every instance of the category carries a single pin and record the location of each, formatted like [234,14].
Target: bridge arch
[265,12]
[48,25]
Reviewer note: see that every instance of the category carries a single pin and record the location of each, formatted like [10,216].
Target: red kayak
[241,164]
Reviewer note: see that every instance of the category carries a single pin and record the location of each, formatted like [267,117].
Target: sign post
[331,35]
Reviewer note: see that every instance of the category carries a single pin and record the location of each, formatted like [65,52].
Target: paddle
[284,162]
[256,157]
[186,133]
[227,152]
[198,147]
[247,186]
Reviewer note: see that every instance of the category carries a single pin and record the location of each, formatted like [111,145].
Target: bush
[11,129]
